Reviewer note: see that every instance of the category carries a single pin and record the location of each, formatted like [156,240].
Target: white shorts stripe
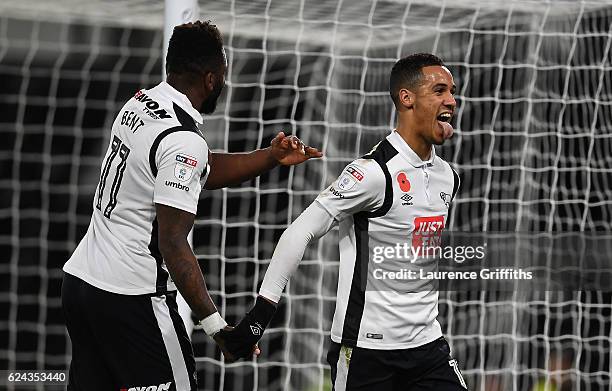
[171,341]
[453,363]
[342,368]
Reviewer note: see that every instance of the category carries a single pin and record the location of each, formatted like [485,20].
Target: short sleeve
[359,188]
[182,160]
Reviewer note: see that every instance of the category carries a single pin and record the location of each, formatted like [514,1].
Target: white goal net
[533,146]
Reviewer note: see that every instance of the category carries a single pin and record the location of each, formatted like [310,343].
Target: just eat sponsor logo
[427,231]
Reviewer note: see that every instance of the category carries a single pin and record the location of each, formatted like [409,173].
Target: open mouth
[444,125]
[445,117]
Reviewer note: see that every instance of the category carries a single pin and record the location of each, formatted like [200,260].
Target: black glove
[240,340]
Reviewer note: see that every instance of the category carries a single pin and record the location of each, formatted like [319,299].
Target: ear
[406,98]
[209,81]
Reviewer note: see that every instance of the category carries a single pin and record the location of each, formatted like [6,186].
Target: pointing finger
[313,152]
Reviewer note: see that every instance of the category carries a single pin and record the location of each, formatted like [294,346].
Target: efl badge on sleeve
[349,178]
[183,169]
[346,182]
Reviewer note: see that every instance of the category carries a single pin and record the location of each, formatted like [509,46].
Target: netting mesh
[533,146]
[62,85]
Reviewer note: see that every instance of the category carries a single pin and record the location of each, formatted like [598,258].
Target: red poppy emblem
[403,182]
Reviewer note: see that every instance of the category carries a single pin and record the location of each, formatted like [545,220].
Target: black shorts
[123,342]
[426,368]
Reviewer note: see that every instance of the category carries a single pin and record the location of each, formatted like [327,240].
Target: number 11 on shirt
[117,147]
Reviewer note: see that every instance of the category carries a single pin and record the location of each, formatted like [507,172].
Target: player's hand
[234,345]
[290,150]
[241,341]
[220,339]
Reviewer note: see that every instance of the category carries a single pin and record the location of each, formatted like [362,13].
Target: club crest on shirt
[183,169]
[446,198]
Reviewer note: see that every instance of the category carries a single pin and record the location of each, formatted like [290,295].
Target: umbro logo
[336,192]
[255,330]
[407,198]
[177,186]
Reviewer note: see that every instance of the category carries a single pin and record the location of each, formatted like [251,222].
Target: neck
[419,145]
[184,86]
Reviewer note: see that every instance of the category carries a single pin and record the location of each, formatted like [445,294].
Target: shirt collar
[180,99]
[404,149]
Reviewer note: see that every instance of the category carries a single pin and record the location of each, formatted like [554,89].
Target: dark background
[533,148]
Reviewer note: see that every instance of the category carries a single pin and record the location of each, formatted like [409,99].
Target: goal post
[532,144]
[176,12]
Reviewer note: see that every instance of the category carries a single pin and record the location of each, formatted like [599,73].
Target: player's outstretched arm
[228,169]
[313,223]
[173,227]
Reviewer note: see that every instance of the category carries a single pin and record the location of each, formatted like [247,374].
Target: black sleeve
[456,183]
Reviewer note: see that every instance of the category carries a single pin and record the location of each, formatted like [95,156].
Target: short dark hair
[195,47]
[406,73]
